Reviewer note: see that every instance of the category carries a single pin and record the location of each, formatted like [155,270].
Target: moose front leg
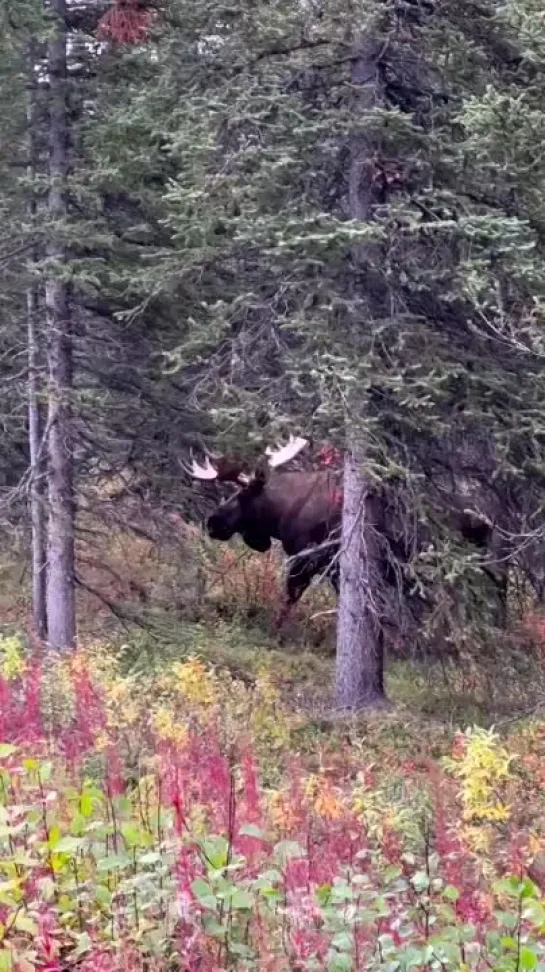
[300,573]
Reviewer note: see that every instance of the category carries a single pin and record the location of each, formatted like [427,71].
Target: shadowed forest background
[224,225]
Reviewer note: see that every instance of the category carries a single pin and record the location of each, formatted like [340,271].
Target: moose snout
[217,529]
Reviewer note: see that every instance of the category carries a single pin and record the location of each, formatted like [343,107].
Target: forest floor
[179,795]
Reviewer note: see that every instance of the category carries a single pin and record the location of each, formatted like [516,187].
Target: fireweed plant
[168,821]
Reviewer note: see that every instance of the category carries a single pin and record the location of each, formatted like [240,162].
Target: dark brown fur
[302,510]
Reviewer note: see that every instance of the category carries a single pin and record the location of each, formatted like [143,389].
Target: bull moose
[302,510]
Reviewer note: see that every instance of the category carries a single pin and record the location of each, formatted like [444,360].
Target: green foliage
[224,162]
[103,864]
[181,805]
[215,260]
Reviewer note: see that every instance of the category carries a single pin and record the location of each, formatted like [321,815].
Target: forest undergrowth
[184,799]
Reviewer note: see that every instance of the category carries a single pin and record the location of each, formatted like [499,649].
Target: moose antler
[228,470]
[280,455]
[208,471]
[222,469]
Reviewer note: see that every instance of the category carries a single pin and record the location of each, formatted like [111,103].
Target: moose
[302,510]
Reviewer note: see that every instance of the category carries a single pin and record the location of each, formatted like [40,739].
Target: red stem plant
[185,860]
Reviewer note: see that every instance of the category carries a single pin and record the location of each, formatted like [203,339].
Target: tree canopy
[226,286]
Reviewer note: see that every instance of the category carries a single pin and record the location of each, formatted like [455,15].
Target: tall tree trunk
[35,431]
[360,655]
[61,612]
[37,493]
[360,652]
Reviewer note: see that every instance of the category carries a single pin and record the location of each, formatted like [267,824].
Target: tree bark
[61,612]
[360,655]
[37,496]
[360,651]
[35,431]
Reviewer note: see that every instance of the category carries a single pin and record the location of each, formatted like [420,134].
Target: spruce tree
[431,310]
[217,254]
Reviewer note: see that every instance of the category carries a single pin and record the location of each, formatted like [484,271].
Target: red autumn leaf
[127,22]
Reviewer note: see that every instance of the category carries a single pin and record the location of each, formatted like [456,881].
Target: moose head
[251,510]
